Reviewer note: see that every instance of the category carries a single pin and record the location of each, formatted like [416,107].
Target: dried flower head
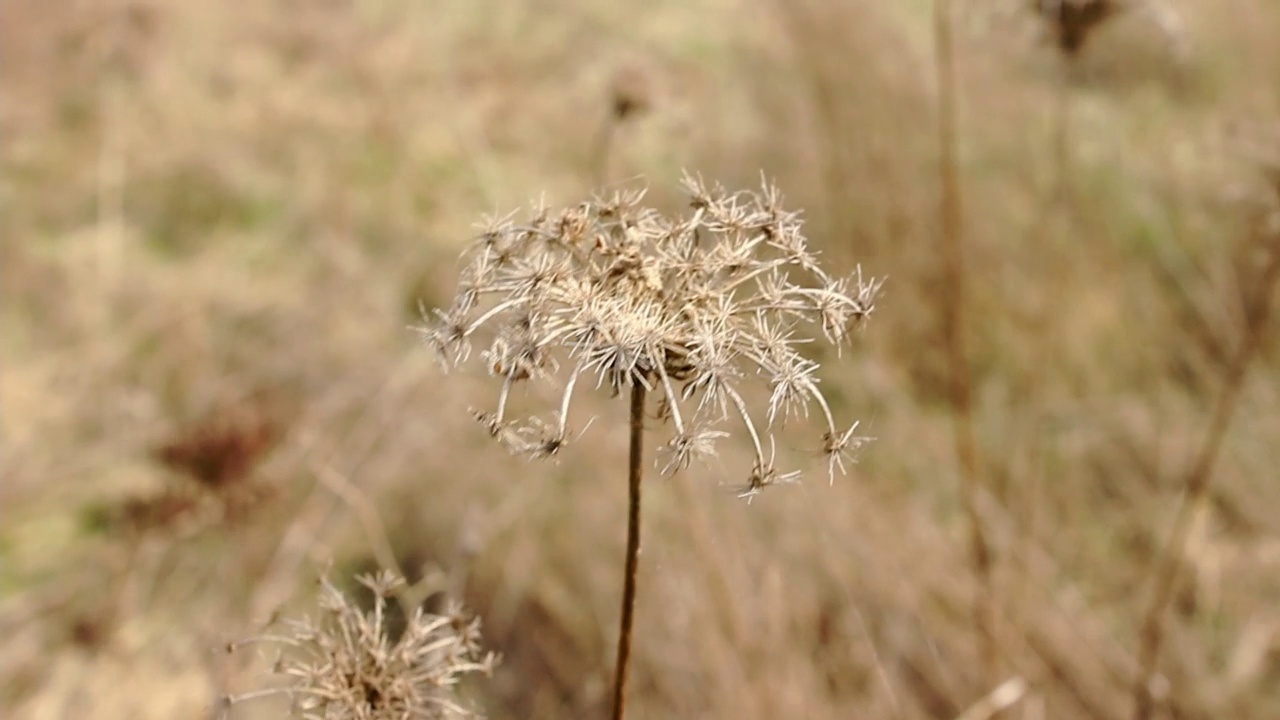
[1071,23]
[693,307]
[630,92]
[345,665]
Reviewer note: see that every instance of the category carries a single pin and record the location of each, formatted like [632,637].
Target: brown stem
[953,319]
[602,150]
[1062,139]
[634,474]
[1196,485]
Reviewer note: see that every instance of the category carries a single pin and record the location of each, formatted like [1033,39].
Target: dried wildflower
[213,463]
[630,92]
[1071,23]
[690,307]
[345,665]
[222,449]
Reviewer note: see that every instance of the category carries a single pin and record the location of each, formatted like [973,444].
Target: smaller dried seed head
[344,664]
[696,308]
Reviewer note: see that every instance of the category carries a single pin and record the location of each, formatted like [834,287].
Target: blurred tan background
[219,220]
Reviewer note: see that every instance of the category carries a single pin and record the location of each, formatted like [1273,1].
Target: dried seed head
[692,307]
[345,665]
[1072,22]
[630,93]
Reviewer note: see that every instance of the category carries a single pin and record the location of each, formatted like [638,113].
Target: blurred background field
[218,223]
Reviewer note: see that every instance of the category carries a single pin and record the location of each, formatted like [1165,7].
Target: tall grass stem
[952,303]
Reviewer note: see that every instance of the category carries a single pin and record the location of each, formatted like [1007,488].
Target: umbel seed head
[693,307]
[345,663]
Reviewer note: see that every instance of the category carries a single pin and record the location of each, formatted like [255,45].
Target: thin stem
[504,305]
[746,420]
[568,395]
[502,400]
[672,400]
[751,276]
[601,150]
[826,409]
[226,702]
[634,474]
[952,303]
[1062,138]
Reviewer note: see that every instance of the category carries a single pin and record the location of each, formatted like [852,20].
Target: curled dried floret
[765,474]
[686,447]
[841,446]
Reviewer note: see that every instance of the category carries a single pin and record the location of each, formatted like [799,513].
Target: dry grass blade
[998,700]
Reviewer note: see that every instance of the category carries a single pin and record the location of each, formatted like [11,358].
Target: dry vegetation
[218,225]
